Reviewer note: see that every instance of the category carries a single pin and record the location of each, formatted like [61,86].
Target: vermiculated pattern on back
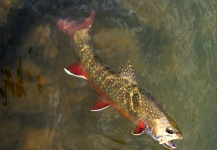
[118,87]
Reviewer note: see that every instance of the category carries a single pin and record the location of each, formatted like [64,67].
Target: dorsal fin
[128,73]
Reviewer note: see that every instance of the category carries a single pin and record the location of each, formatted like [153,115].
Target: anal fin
[101,104]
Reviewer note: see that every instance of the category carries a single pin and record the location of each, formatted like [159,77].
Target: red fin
[101,104]
[71,27]
[140,128]
[76,70]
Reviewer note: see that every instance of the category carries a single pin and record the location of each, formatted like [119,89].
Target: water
[171,44]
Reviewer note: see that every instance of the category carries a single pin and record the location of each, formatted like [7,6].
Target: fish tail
[70,27]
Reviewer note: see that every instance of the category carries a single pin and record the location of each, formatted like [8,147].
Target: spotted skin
[121,89]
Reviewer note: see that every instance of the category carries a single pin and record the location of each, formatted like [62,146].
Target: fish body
[119,89]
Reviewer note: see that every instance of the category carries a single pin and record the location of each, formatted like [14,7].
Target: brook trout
[119,89]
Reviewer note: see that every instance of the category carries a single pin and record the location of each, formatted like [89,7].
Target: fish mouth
[169,145]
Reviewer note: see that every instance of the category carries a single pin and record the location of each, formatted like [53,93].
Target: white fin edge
[68,72]
[138,134]
[100,109]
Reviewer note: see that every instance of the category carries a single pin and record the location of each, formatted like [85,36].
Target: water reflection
[19,84]
[9,85]
[28,74]
[15,85]
[38,82]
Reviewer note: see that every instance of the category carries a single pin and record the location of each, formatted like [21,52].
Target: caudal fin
[70,27]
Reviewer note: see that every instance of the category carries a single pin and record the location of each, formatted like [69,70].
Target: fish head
[165,130]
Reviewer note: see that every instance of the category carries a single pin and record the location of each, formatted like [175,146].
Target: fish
[118,89]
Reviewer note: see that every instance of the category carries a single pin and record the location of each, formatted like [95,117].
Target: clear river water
[171,44]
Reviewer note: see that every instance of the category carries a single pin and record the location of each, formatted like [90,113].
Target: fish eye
[169,130]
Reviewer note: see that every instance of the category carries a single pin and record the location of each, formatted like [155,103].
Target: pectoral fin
[140,128]
[76,70]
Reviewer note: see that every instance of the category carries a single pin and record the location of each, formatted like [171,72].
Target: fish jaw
[169,145]
[167,141]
